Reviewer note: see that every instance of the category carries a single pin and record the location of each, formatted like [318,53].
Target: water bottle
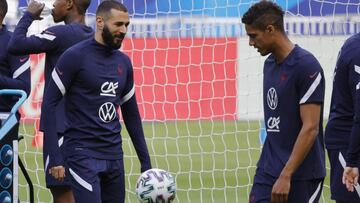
[44,13]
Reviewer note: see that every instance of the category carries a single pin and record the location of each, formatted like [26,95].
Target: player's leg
[85,180]
[338,190]
[60,190]
[113,182]
[262,187]
[62,194]
[305,191]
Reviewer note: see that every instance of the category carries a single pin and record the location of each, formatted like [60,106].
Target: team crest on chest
[120,70]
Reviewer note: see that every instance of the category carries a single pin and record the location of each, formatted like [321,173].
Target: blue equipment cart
[9,160]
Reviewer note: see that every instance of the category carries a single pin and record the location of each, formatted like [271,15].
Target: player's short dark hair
[82,5]
[264,13]
[3,9]
[105,7]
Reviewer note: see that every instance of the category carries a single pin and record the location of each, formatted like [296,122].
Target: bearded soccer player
[96,79]
[291,167]
[53,41]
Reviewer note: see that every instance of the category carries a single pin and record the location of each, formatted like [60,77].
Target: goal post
[199,90]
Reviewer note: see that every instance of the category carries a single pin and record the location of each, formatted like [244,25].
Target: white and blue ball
[155,186]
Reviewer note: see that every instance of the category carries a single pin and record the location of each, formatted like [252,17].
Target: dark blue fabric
[10,64]
[337,188]
[343,103]
[95,81]
[298,80]
[104,179]
[53,41]
[300,191]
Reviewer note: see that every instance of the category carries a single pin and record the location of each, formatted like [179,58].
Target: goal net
[199,90]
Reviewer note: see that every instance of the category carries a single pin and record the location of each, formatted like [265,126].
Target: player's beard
[110,40]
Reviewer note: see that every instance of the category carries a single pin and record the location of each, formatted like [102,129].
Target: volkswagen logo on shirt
[107,112]
[272,98]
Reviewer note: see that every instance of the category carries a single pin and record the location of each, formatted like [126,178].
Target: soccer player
[351,172]
[342,121]
[14,70]
[53,41]
[291,167]
[96,79]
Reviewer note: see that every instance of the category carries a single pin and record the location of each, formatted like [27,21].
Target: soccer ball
[155,186]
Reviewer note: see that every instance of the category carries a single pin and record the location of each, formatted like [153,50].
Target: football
[155,186]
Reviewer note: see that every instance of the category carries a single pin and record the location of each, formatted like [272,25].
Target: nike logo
[23,59]
[60,73]
[313,75]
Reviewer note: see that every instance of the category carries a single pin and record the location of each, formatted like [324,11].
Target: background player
[341,123]
[351,171]
[291,166]
[53,41]
[96,79]
[14,70]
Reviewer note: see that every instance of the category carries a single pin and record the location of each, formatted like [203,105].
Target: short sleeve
[310,81]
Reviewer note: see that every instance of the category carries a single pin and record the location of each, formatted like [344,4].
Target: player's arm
[311,85]
[61,78]
[133,123]
[20,78]
[21,44]
[351,172]
[310,116]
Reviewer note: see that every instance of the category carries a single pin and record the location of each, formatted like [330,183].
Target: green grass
[211,161]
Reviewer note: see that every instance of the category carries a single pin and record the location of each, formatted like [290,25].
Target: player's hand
[58,172]
[280,190]
[350,178]
[35,8]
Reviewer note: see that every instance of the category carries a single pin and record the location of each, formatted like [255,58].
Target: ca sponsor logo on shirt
[273,124]
[107,112]
[109,89]
[272,98]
